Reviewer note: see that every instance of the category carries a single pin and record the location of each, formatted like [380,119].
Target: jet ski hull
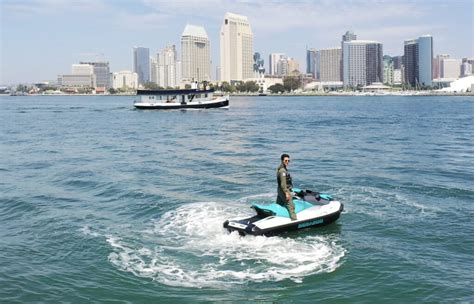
[264,223]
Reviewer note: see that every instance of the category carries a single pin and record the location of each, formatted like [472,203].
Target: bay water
[104,203]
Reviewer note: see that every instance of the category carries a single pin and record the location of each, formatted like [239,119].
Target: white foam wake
[189,247]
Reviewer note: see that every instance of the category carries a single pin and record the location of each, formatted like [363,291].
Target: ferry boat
[180,99]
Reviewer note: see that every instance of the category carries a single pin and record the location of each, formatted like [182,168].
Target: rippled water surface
[101,202]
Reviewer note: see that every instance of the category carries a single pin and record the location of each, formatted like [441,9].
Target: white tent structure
[461,85]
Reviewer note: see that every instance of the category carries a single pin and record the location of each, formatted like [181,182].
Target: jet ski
[313,209]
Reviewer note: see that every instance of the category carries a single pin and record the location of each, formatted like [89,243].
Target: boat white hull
[221,102]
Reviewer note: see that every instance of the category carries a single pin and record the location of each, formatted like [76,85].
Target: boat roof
[173,92]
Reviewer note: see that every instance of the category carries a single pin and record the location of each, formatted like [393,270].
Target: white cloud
[44,7]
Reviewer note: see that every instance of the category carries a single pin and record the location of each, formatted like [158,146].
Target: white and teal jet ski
[312,209]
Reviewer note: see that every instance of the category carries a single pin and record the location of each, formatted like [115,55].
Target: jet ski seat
[275,209]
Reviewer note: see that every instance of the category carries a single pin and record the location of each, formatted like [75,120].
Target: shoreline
[303,94]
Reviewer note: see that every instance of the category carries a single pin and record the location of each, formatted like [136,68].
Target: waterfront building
[266,81]
[282,66]
[77,81]
[310,58]
[418,61]
[82,69]
[258,65]
[125,80]
[218,72]
[273,60]
[236,48]
[362,62]
[327,65]
[195,54]
[293,66]
[450,68]
[167,67]
[348,36]
[397,62]
[178,73]
[154,71]
[141,64]
[467,67]
[425,59]
[101,70]
[437,62]
[388,70]
[397,77]
[82,75]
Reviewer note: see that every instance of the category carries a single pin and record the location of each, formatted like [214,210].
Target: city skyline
[41,39]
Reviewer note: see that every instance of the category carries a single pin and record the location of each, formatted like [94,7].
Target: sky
[43,38]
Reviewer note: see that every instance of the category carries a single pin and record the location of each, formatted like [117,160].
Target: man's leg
[291,209]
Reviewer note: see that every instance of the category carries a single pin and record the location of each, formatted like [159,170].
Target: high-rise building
[388,70]
[327,64]
[310,56]
[348,36]
[418,61]
[437,62]
[154,71]
[195,54]
[467,67]
[397,62]
[410,61]
[450,68]
[425,59]
[141,64]
[236,48]
[102,73]
[273,60]
[167,67]
[397,76]
[293,66]
[362,62]
[282,66]
[258,64]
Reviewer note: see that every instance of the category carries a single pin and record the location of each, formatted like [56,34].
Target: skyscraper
[327,64]
[362,62]
[282,66]
[236,48]
[437,62]
[195,54]
[273,60]
[418,61]
[258,64]
[348,36]
[388,70]
[310,56]
[167,67]
[141,64]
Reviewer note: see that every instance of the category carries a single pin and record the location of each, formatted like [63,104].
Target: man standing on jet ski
[284,186]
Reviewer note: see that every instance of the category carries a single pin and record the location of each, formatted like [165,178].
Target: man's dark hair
[283,156]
